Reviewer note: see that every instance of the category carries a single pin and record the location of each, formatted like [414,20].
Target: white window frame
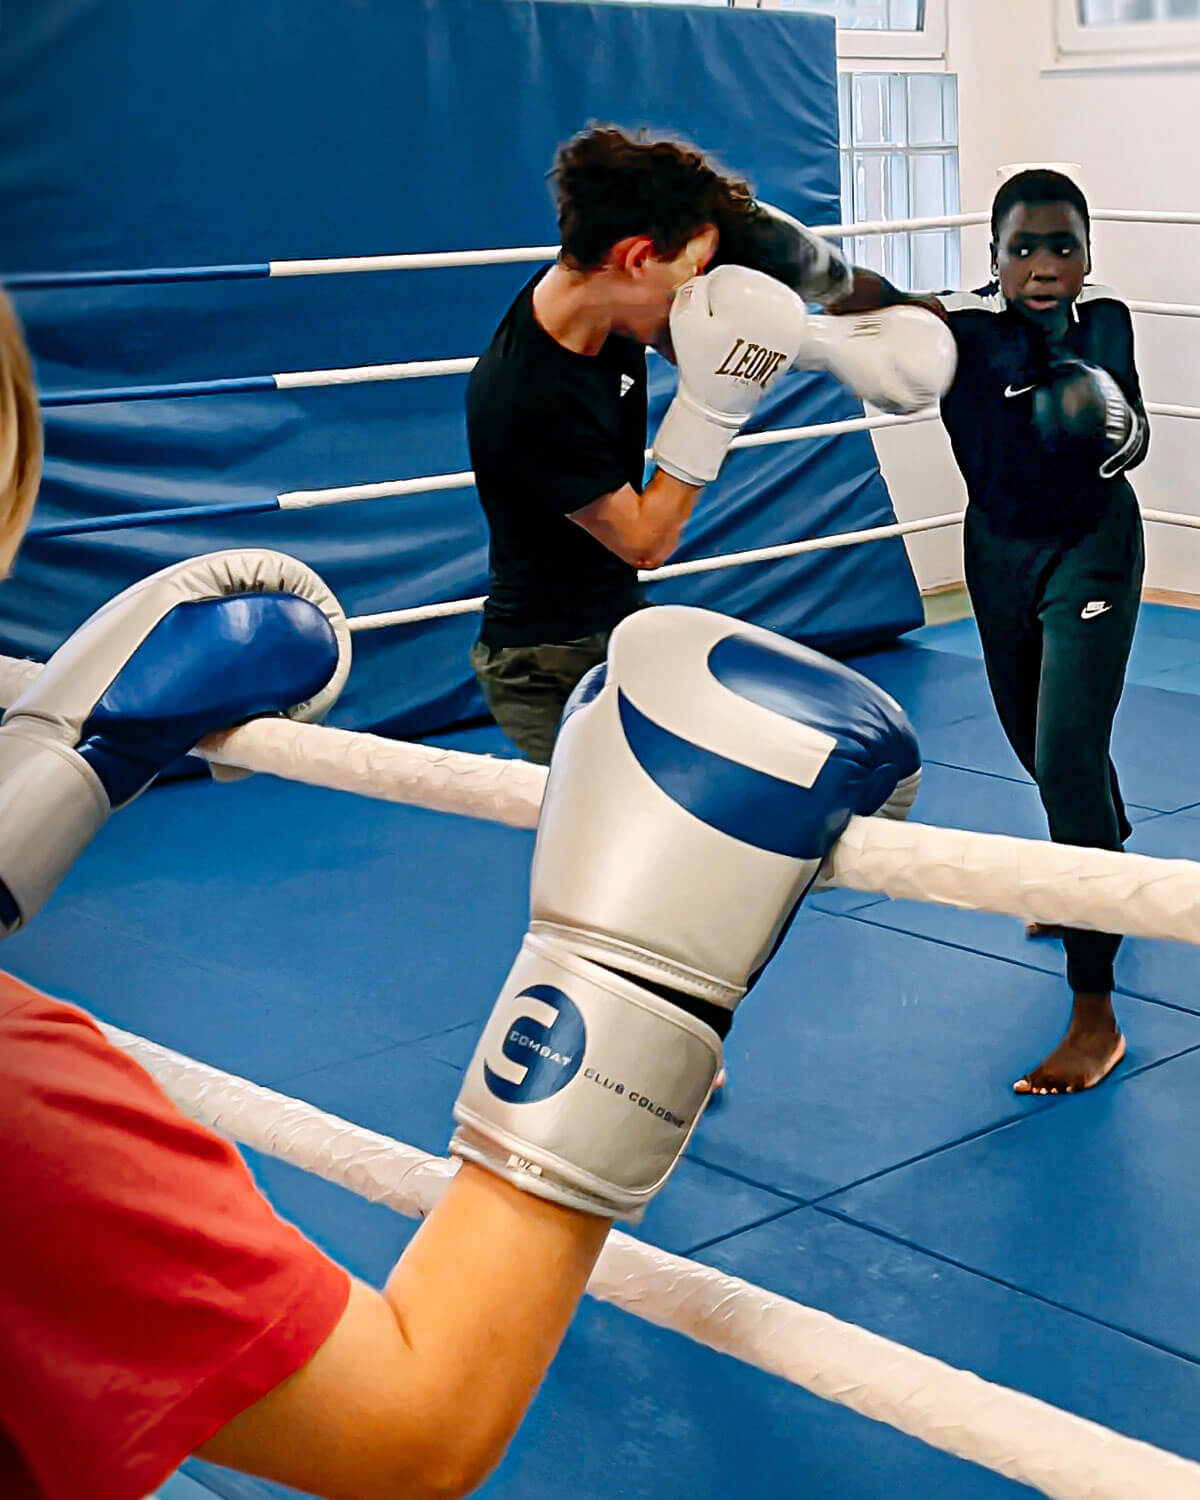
[1176,41]
[929,42]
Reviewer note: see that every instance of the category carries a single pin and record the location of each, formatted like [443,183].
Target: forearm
[483,1296]
[663,510]
[418,1391]
[871,291]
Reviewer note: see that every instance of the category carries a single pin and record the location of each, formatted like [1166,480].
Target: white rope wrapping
[464,478]
[413,369]
[1042,882]
[518,254]
[417,613]
[1167,309]
[343,760]
[1018,1436]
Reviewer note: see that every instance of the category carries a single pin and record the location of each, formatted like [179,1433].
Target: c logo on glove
[542,1047]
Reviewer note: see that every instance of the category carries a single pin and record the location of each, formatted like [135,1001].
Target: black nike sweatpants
[1057,620]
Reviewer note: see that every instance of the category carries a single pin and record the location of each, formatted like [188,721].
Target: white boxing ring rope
[1018,1436]
[1052,883]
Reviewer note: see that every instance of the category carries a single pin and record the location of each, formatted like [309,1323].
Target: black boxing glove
[768,240]
[1082,412]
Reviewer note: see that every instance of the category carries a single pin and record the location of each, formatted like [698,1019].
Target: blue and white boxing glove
[200,646]
[700,777]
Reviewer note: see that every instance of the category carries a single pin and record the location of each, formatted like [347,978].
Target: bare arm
[871,291]
[643,529]
[418,1391]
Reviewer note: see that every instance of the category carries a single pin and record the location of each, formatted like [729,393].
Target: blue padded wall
[134,133]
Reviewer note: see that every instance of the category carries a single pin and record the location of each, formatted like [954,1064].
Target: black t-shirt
[988,412]
[551,431]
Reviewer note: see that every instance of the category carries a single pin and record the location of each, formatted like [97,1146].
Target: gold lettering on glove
[756,363]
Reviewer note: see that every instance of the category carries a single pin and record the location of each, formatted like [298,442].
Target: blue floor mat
[862,1048]
[269,927]
[668,1420]
[1090,1205]
[1160,646]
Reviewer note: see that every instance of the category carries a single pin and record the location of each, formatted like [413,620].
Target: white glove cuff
[51,807]
[584,1088]
[691,443]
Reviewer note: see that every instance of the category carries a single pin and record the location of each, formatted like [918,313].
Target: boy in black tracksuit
[1045,416]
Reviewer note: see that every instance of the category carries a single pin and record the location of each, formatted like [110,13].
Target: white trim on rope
[413,369]
[518,254]
[419,613]
[1028,1441]
[1167,309]
[435,260]
[464,479]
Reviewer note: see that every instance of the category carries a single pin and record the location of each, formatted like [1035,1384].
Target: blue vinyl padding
[49,281]
[124,145]
[168,391]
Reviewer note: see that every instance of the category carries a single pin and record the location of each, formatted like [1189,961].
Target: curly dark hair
[611,184]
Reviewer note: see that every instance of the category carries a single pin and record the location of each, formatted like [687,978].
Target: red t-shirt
[148,1292]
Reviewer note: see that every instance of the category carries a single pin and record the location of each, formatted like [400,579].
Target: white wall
[1136,133]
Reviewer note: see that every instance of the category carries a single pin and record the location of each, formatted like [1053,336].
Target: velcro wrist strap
[584,1088]
[691,444]
[51,807]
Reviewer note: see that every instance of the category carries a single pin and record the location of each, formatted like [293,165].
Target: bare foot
[1042,930]
[1091,1049]
[719,1081]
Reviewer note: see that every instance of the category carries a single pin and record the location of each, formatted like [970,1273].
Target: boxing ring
[1015,1435]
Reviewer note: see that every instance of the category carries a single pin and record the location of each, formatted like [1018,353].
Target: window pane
[899,160]
[927,180]
[869,192]
[875,118]
[896,259]
[929,261]
[1129,12]
[932,110]
[866,15]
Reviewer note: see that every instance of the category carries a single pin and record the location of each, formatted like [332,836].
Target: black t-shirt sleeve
[568,456]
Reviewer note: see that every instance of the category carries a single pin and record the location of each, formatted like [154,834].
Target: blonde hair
[20,436]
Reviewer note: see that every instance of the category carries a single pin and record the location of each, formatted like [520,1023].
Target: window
[866,15]
[1130,12]
[1168,28]
[876,28]
[899,158]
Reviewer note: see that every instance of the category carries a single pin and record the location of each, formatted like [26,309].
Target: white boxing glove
[700,777]
[735,332]
[900,359]
[200,646]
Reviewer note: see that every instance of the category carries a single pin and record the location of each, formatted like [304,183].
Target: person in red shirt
[153,1305]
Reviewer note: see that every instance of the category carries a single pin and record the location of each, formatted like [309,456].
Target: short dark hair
[1038,185]
[611,184]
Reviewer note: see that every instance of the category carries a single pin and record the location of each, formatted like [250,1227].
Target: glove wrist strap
[585,1087]
[51,807]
